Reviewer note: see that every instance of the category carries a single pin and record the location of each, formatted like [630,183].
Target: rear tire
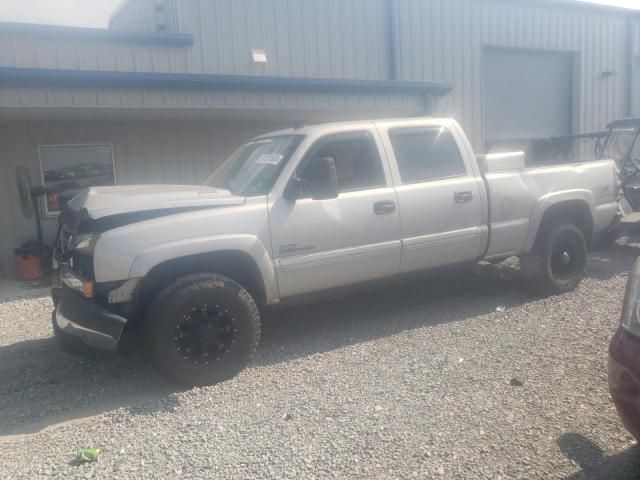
[558,259]
[202,329]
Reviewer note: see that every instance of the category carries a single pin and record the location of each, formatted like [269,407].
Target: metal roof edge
[152,79]
[40,30]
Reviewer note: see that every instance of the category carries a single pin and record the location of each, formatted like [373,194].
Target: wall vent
[160,16]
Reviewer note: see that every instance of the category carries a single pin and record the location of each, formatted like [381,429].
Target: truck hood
[100,202]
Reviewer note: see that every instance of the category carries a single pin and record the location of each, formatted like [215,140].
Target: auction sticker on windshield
[269,159]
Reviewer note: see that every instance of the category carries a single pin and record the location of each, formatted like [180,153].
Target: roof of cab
[337,126]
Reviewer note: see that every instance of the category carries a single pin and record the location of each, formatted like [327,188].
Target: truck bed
[517,199]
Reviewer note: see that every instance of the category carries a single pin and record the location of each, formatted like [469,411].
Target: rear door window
[426,154]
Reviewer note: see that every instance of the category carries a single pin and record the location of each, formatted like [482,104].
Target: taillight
[618,191]
[617,184]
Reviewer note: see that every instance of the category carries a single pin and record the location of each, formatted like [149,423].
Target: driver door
[322,244]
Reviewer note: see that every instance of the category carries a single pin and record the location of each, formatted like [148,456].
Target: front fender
[251,245]
[554,198]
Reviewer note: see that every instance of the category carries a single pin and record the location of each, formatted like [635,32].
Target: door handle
[384,208]
[463,197]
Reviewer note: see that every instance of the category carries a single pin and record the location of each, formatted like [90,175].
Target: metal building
[173,86]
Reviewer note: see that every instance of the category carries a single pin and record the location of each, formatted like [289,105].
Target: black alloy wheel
[205,334]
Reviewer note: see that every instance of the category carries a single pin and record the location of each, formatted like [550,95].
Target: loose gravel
[464,375]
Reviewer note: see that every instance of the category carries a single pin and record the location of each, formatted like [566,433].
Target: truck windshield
[619,144]
[254,168]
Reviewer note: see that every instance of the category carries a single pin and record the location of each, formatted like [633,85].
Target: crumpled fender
[145,261]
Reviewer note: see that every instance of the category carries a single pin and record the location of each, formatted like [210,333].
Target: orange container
[29,267]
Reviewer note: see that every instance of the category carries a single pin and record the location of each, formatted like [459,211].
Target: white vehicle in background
[307,210]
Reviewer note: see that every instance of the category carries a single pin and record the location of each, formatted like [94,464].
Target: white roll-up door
[526,95]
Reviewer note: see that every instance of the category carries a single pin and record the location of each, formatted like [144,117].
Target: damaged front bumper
[85,320]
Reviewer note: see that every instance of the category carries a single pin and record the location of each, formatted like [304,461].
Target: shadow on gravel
[426,300]
[14,290]
[7,298]
[41,386]
[421,301]
[617,259]
[595,464]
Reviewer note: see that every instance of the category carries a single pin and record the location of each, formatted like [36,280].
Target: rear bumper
[624,379]
[87,321]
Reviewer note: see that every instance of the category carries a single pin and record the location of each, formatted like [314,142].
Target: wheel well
[575,212]
[236,265]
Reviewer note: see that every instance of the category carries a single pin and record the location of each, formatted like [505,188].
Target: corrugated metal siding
[443,40]
[130,98]
[134,15]
[440,40]
[24,51]
[150,152]
[12,219]
[141,16]
[302,38]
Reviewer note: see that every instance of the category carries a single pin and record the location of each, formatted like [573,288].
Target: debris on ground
[87,455]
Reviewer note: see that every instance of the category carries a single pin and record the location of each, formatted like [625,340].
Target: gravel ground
[422,379]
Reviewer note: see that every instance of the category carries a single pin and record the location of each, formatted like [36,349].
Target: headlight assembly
[84,244]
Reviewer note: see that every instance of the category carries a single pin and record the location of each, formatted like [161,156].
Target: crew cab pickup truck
[307,210]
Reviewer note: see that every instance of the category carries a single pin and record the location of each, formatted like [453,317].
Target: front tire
[558,259]
[202,329]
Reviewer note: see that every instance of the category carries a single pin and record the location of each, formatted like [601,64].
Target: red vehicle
[624,358]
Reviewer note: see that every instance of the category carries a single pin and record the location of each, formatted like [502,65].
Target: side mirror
[321,179]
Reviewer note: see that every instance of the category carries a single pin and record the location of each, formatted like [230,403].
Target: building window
[426,154]
[67,169]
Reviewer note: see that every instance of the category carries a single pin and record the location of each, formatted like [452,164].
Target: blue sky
[95,13]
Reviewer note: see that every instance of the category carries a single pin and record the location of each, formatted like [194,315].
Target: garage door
[526,95]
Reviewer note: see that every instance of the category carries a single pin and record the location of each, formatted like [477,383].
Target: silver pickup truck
[306,210]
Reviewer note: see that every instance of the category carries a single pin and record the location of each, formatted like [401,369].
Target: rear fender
[550,200]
